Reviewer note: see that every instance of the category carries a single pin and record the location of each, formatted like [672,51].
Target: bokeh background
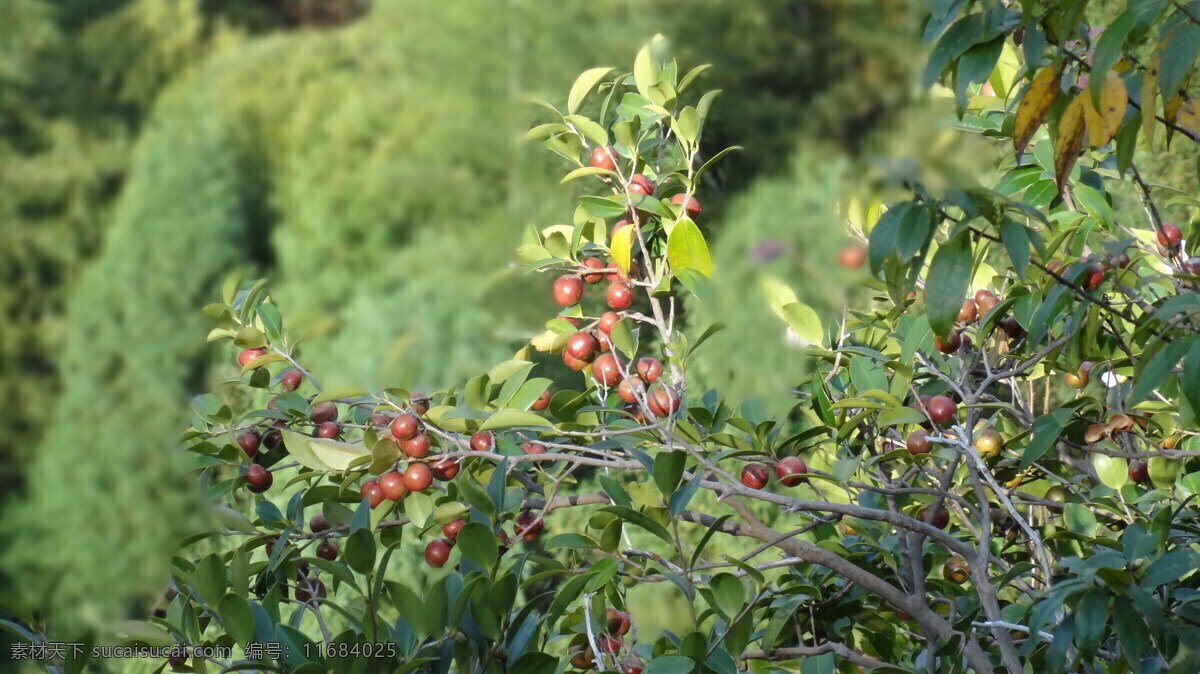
[368,159]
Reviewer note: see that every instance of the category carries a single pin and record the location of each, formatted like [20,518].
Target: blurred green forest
[368,160]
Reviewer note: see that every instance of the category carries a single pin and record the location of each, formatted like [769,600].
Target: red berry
[483,441]
[593,263]
[308,588]
[689,203]
[918,442]
[567,290]
[529,526]
[755,476]
[791,470]
[607,321]
[948,344]
[640,184]
[581,345]
[942,409]
[318,523]
[249,442]
[617,623]
[542,402]
[941,518]
[327,550]
[404,427]
[417,446]
[291,380]
[968,312]
[450,529]
[373,490]
[272,439]
[248,355]
[572,362]
[629,389]
[418,477]
[649,369]
[445,470]
[852,256]
[606,371]
[328,430]
[322,412]
[258,478]
[603,157]
[1139,471]
[1169,236]
[533,447]
[418,402]
[662,401]
[619,295]
[436,553]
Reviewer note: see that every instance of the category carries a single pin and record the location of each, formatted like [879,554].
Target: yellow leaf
[621,247]
[1034,105]
[1069,141]
[1149,87]
[544,341]
[1188,118]
[1103,124]
[1170,112]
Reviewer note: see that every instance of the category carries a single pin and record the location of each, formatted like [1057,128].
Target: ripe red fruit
[417,446]
[529,526]
[607,321]
[852,256]
[634,666]
[381,419]
[688,202]
[309,587]
[649,369]
[592,263]
[374,490]
[1012,328]
[1094,275]
[445,470]
[609,644]
[418,402]
[968,312]
[662,401]
[327,550]
[248,355]
[322,412]
[984,301]
[629,389]
[483,441]
[573,363]
[291,380]
[941,518]
[450,529]
[755,475]
[640,184]
[318,523]
[1169,236]
[258,478]
[918,442]
[942,409]
[272,439]
[582,657]
[606,371]
[418,477]
[949,344]
[956,570]
[328,430]
[1121,261]
[532,447]
[567,290]
[405,427]
[436,553]
[249,442]
[603,157]
[581,345]
[791,470]
[604,341]
[1139,471]
[542,402]
[619,295]
[618,622]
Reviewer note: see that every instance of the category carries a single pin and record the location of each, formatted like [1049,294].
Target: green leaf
[584,85]
[729,593]
[1016,242]
[668,470]
[250,338]
[360,550]
[622,338]
[691,75]
[686,248]
[237,618]
[1189,383]
[1080,519]
[527,395]
[957,39]
[511,418]
[1091,616]
[1046,431]
[535,663]
[584,172]
[804,321]
[687,125]
[641,520]
[234,520]
[1108,51]
[210,579]
[947,282]
[1157,367]
[478,544]
[572,541]
[1113,471]
[1169,568]
[589,129]
[670,664]
[914,233]
[882,241]
[1094,203]
[384,453]
[645,70]
[602,207]
[1177,58]
[1131,631]
[339,393]
[419,508]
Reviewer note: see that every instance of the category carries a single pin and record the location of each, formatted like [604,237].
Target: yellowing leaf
[544,341]
[686,248]
[321,454]
[1103,123]
[1069,142]
[621,247]
[1188,117]
[1034,105]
